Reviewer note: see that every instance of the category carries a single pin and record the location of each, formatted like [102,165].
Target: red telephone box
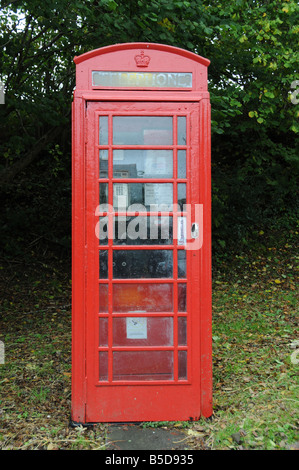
[141,235]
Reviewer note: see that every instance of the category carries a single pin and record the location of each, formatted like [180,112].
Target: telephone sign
[141,299]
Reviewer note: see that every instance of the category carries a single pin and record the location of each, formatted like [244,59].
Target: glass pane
[143,331]
[103,294]
[181,163]
[142,164]
[103,163]
[182,297]
[182,263]
[143,365]
[103,264]
[103,372]
[102,233]
[103,140]
[182,365]
[132,264]
[148,196]
[142,230]
[135,298]
[181,195]
[182,139]
[103,193]
[142,130]
[103,332]
[182,331]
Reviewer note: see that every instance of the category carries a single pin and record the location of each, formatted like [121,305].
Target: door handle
[194,230]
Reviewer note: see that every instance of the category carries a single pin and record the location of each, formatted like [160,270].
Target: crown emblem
[142,60]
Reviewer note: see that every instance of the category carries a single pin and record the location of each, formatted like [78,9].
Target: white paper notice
[155,194]
[136,327]
[120,196]
[182,231]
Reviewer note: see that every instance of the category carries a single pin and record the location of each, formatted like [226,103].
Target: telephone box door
[145,213]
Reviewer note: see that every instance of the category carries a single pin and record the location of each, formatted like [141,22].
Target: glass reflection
[134,297]
[149,195]
[181,195]
[142,130]
[182,331]
[103,264]
[182,139]
[142,164]
[103,360]
[104,163]
[182,365]
[103,298]
[103,193]
[143,365]
[182,264]
[103,122]
[181,163]
[130,264]
[182,297]
[103,334]
[141,230]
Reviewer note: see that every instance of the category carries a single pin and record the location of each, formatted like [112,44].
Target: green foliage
[253,48]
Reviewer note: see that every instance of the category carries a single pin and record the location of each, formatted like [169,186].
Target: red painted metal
[115,377]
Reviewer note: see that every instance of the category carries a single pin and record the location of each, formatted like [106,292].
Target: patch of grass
[39,394]
[255,323]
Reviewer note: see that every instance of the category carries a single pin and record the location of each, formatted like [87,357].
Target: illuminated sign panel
[142,79]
